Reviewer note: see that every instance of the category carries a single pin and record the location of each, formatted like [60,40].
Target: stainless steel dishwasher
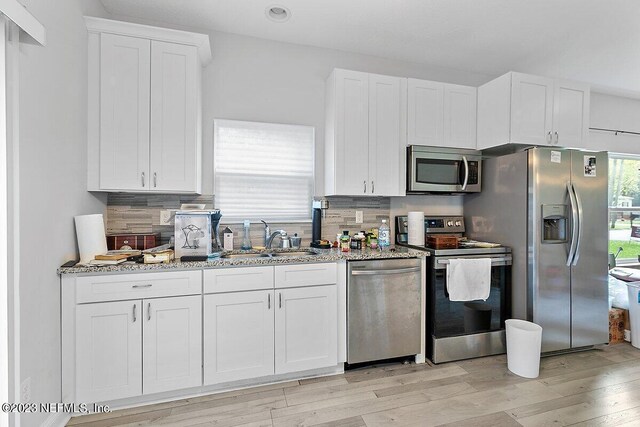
[383,309]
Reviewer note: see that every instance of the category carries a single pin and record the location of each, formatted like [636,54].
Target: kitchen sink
[294,253]
[269,254]
[236,256]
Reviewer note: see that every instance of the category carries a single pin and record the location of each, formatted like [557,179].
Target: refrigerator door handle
[580,222]
[466,172]
[574,224]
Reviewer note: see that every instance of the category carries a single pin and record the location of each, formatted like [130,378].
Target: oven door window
[461,318]
[438,171]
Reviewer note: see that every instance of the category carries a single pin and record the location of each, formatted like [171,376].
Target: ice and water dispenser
[554,223]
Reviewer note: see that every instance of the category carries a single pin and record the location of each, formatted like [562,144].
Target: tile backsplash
[140,213]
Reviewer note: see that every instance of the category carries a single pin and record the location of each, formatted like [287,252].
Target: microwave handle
[466,173]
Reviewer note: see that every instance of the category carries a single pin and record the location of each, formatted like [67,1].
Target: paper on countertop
[91,236]
[415,224]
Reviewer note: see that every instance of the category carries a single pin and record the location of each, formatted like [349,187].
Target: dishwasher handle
[383,271]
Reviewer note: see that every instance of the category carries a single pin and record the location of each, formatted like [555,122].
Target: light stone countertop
[323,255]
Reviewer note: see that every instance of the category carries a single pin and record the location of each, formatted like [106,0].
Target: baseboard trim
[57,419]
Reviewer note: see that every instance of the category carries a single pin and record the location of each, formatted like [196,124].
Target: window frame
[255,219]
[612,209]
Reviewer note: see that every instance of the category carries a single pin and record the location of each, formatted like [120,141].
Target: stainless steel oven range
[459,330]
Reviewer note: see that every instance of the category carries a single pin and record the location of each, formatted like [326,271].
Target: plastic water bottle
[384,240]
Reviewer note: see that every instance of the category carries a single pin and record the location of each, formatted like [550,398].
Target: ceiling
[590,40]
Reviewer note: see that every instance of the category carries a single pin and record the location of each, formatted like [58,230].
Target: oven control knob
[449,223]
[458,223]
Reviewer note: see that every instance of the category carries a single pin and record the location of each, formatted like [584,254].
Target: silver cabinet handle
[142,179]
[268,301]
[148,285]
[549,139]
[372,187]
[155,179]
[365,185]
[466,173]
[149,312]
[135,307]
[280,297]
[557,137]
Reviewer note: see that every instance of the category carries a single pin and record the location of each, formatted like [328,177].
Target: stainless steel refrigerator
[550,206]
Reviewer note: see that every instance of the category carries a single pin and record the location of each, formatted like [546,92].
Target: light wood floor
[593,388]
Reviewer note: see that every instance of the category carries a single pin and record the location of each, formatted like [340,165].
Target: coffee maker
[316,224]
[196,233]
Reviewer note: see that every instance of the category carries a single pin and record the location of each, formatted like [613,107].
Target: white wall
[618,113]
[261,80]
[53,128]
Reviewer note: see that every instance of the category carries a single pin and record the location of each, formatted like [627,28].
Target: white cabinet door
[460,116]
[238,336]
[108,351]
[351,133]
[571,114]
[531,109]
[387,143]
[306,328]
[425,112]
[174,117]
[124,112]
[172,343]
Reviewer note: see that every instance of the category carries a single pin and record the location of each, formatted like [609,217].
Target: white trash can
[634,312]
[523,347]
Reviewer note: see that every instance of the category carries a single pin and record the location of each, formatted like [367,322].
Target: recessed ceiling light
[277,13]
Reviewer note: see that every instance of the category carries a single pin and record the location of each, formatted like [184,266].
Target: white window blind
[263,171]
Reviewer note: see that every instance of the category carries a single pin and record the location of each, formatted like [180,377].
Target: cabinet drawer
[238,279]
[137,285]
[288,276]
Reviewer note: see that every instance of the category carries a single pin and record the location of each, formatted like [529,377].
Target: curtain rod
[616,131]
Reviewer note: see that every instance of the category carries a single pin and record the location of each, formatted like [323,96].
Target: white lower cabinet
[306,332]
[238,336]
[130,348]
[172,350]
[108,351]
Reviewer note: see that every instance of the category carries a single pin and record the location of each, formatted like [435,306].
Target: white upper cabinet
[175,123]
[425,112]
[387,115]
[365,134]
[571,109]
[524,109]
[459,116]
[441,114]
[124,112]
[144,124]
[531,109]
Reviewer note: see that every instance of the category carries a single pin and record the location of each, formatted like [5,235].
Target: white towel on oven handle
[469,279]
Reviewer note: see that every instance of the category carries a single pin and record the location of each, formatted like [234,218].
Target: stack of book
[114,257]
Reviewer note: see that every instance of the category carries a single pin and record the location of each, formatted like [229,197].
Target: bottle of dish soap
[384,240]
[246,239]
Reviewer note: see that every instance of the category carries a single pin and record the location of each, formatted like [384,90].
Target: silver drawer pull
[371,272]
[148,285]
[134,312]
[493,260]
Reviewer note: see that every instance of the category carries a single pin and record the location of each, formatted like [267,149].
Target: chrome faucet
[267,232]
[286,243]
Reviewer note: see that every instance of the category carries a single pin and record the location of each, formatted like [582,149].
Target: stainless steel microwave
[443,170]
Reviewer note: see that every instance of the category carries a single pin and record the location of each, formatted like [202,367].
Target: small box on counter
[616,325]
[442,242]
[134,241]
